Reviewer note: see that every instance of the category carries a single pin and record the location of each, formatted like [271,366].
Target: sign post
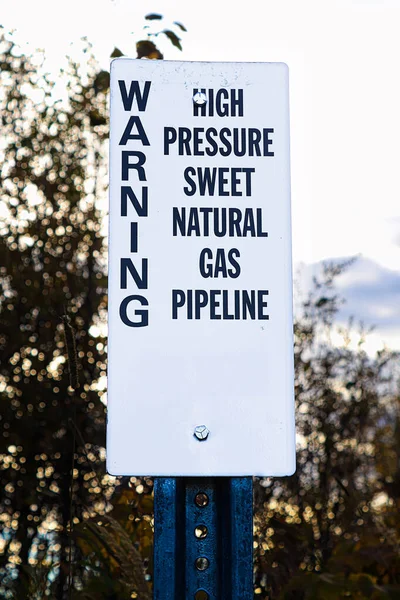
[203,538]
[200,307]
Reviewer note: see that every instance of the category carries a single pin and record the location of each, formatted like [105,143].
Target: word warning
[200,282]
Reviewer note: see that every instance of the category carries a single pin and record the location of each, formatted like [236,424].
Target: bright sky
[343,57]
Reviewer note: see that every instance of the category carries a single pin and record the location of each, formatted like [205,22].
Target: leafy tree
[330,530]
[52,313]
[53,287]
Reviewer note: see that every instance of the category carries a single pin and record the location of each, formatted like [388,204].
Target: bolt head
[201,432]
[202,563]
[200,98]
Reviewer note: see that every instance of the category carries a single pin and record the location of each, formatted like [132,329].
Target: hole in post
[202,563]
[201,595]
[201,499]
[201,532]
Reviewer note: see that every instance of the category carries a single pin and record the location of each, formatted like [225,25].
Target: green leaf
[321,302]
[96,118]
[102,82]
[147,49]
[153,17]
[175,41]
[182,27]
[116,53]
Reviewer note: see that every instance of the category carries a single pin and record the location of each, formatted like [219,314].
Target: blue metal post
[203,539]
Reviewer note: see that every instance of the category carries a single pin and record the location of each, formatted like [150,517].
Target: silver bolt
[200,98]
[201,432]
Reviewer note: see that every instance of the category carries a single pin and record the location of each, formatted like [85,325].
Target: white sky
[345,96]
[343,57]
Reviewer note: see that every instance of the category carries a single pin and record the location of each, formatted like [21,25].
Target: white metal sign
[200,368]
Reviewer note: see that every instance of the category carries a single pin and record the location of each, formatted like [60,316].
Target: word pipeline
[195,218]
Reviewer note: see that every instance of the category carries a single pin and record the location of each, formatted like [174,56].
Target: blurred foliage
[69,530]
[53,304]
[332,530]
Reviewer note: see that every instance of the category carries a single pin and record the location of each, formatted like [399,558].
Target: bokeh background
[68,529]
